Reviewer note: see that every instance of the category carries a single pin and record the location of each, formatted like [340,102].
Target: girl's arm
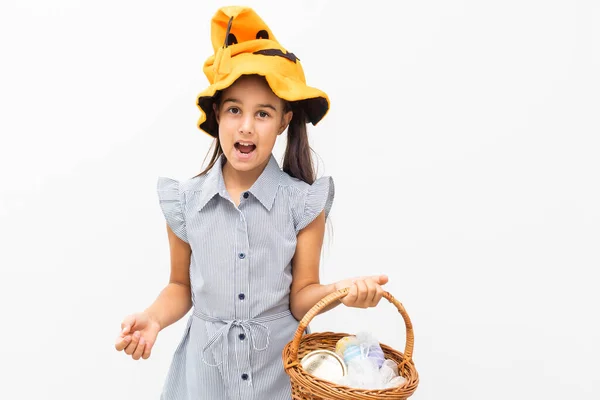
[306,290]
[174,301]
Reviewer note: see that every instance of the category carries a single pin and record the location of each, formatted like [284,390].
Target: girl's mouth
[244,149]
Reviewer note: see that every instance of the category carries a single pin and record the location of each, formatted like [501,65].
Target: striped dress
[240,275]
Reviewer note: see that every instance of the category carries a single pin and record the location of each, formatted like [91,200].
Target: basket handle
[317,308]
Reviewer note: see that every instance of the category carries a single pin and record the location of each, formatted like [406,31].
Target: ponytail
[297,161]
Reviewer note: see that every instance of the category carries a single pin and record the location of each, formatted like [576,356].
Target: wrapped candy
[343,343]
[363,346]
[367,367]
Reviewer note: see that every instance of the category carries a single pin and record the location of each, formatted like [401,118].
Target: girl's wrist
[153,320]
[332,288]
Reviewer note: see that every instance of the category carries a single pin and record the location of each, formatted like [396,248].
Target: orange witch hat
[244,45]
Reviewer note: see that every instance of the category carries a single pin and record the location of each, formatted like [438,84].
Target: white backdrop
[463,139]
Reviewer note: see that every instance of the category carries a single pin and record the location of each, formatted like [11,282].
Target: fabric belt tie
[252,328]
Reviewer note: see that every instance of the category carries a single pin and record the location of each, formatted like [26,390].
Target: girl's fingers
[380,279]
[372,292]
[363,292]
[127,324]
[139,349]
[378,295]
[133,344]
[147,350]
[350,298]
[122,342]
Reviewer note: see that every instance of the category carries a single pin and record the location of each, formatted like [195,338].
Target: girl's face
[250,117]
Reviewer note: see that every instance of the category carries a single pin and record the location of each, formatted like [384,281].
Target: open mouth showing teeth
[245,148]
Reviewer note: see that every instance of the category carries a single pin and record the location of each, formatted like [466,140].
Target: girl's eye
[263,114]
[233,110]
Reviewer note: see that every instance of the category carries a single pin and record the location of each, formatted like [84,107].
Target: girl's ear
[216,111]
[285,121]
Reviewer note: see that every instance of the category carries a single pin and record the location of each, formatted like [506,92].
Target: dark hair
[297,160]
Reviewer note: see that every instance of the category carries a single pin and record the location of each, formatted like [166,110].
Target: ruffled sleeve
[319,197]
[171,204]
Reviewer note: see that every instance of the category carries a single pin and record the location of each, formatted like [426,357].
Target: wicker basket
[308,387]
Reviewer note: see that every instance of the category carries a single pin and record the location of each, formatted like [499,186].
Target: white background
[463,139]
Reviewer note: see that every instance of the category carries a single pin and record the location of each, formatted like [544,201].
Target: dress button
[242,336]
[246,195]
[245,377]
[242,256]
[241,296]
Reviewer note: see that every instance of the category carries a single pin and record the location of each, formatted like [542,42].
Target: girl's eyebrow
[232,100]
[266,105]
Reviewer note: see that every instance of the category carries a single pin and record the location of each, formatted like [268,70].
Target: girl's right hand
[138,335]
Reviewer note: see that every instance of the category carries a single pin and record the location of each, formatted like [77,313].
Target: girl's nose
[247,125]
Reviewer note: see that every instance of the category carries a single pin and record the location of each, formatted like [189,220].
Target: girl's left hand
[364,292]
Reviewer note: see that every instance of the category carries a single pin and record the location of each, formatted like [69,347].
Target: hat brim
[314,101]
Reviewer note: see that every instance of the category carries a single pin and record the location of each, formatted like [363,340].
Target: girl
[245,236]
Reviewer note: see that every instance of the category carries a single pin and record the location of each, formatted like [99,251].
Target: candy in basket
[330,366]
